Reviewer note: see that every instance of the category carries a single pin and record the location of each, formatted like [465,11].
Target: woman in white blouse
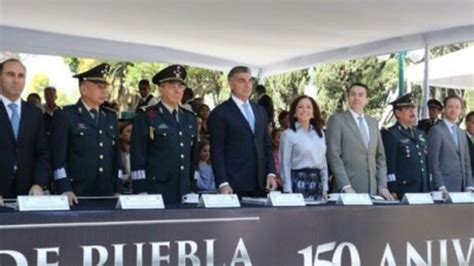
[303,151]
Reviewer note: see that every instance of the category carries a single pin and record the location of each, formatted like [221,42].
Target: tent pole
[426,83]
[401,73]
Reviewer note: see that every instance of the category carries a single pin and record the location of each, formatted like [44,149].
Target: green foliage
[38,83]
[283,88]
[333,79]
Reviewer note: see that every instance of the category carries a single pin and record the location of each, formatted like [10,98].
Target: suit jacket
[239,156]
[449,166]
[267,103]
[30,152]
[86,156]
[350,161]
[471,154]
[426,124]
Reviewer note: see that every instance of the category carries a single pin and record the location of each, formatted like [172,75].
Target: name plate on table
[354,199]
[130,202]
[461,197]
[43,203]
[286,199]
[417,198]
[219,201]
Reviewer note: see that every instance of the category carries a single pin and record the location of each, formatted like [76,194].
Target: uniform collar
[169,108]
[88,108]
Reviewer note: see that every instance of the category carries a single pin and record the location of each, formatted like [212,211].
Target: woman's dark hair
[317,122]
[202,144]
[202,107]
[124,125]
[274,134]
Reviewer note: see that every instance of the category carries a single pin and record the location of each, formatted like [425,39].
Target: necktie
[454,132]
[175,115]
[249,116]
[95,116]
[363,131]
[15,119]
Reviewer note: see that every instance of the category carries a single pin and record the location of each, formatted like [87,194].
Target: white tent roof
[270,36]
[454,70]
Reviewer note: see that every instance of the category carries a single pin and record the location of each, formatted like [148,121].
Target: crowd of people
[177,144]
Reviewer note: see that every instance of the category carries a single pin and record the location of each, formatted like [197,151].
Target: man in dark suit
[266,102]
[435,107]
[241,151]
[85,141]
[470,137]
[145,92]
[405,150]
[49,107]
[24,163]
[164,148]
[448,153]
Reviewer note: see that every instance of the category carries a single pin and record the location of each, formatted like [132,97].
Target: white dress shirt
[7,101]
[302,149]
[241,103]
[364,122]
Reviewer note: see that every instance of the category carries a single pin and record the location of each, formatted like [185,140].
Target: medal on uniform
[152,133]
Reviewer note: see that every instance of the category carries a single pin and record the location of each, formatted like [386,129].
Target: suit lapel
[448,134]
[234,108]
[373,131]
[4,117]
[24,120]
[85,115]
[461,139]
[257,118]
[355,128]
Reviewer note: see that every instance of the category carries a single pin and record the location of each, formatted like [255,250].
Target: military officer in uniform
[435,107]
[406,151]
[86,154]
[164,141]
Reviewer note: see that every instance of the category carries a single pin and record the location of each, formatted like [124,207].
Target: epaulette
[150,111]
[69,107]
[145,108]
[108,109]
[187,111]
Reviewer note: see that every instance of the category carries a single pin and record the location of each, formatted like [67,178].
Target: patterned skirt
[307,182]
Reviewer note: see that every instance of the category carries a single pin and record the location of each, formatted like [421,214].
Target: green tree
[38,83]
[333,79]
[283,88]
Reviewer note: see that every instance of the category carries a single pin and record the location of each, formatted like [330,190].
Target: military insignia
[151,114]
[152,133]
[177,71]
[80,110]
[422,138]
[103,113]
[163,126]
[161,110]
[404,141]
[113,142]
[81,126]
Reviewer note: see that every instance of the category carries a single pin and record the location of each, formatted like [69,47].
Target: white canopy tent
[269,36]
[454,70]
